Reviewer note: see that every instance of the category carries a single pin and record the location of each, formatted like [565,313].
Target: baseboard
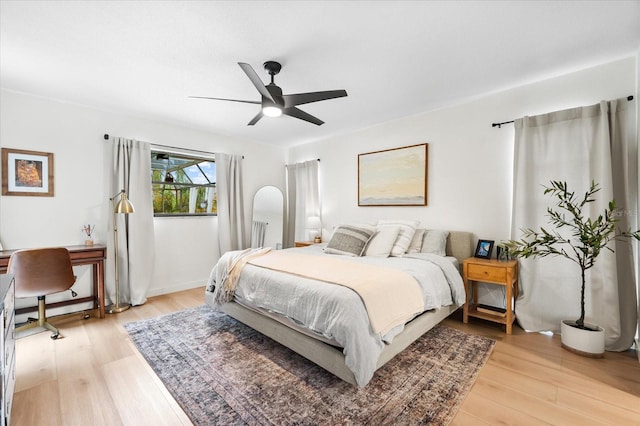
[177,287]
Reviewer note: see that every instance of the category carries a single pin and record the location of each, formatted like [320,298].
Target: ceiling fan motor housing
[272,67]
[276,94]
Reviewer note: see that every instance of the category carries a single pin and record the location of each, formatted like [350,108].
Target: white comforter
[337,312]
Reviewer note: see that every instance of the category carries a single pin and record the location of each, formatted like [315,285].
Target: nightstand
[302,243]
[504,273]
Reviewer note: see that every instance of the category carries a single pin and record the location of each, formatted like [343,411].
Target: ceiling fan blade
[305,98]
[223,99]
[255,119]
[256,80]
[298,113]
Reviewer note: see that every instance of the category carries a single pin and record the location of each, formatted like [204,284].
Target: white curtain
[258,231]
[131,171]
[231,226]
[578,146]
[303,200]
[209,195]
[193,197]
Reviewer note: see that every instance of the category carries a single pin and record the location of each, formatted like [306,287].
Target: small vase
[503,254]
[88,242]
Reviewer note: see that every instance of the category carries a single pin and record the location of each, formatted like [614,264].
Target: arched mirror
[268,214]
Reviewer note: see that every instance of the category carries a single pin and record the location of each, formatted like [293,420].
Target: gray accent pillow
[416,242]
[350,240]
[435,242]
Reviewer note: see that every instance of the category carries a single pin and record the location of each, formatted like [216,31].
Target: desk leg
[98,286]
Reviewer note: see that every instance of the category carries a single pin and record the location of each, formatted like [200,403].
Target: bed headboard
[460,245]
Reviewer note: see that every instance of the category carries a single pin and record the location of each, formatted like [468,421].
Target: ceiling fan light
[272,111]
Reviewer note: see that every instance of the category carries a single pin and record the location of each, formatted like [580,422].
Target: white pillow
[407,229]
[349,239]
[435,242]
[416,241]
[381,243]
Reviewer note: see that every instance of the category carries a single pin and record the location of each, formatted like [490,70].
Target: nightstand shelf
[492,272]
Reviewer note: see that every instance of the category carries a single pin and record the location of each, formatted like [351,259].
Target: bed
[326,322]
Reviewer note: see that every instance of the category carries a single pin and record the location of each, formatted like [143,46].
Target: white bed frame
[459,245]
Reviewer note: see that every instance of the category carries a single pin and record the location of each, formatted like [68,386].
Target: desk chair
[38,272]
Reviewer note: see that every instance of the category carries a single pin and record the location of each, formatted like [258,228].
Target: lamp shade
[124,205]
[313,222]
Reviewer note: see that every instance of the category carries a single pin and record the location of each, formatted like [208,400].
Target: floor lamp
[124,206]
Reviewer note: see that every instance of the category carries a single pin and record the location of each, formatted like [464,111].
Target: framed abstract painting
[393,177]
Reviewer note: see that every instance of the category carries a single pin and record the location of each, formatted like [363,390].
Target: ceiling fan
[274,103]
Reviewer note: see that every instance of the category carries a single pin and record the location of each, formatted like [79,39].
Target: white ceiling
[394,58]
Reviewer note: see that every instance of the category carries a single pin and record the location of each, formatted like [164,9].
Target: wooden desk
[80,255]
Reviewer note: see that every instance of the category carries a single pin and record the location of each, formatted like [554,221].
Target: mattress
[335,314]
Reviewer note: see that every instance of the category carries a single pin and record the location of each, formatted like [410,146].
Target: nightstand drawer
[486,273]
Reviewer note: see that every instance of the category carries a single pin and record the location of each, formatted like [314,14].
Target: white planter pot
[588,343]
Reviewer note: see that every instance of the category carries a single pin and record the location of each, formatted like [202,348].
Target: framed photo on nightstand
[484,249]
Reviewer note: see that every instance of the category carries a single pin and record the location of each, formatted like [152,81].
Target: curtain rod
[106,138]
[498,125]
[287,165]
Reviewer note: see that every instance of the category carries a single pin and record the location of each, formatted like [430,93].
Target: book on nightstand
[492,310]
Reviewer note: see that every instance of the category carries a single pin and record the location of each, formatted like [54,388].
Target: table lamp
[315,226]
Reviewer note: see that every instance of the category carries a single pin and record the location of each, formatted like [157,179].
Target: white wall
[470,163]
[186,248]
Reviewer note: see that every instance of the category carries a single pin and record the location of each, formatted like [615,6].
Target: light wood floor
[95,376]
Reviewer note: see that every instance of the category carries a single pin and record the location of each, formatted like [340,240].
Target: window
[183,185]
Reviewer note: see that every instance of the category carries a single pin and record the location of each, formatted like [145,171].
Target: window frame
[179,186]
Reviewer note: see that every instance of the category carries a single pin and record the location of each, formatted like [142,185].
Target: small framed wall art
[393,177]
[484,249]
[27,173]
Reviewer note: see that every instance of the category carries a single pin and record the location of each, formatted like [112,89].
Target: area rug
[222,372]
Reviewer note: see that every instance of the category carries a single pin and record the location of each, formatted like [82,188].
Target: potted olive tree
[581,240]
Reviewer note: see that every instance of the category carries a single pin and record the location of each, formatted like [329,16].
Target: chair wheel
[86,316]
[55,336]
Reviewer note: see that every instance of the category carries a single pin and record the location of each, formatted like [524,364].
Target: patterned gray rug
[222,372]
